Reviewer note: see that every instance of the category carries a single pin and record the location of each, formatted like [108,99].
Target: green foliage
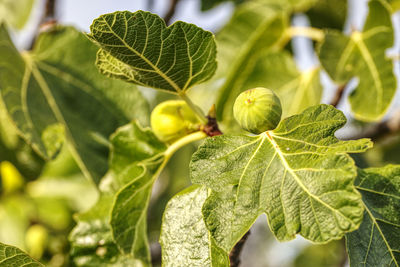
[298,174]
[362,55]
[14,257]
[376,242]
[42,91]
[118,220]
[183,218]
[15,12]
[139,48]
[57,103]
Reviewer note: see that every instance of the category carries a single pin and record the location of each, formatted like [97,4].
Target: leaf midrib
[165,77]
[297,179]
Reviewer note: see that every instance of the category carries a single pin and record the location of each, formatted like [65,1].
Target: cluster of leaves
[299,174]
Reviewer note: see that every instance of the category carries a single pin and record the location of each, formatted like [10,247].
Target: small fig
[172,120]
[257,110]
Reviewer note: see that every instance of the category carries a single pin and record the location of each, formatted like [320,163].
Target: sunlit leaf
[184,239]
[57,86]
[377,241]
[298,174]
[139,48]
[15,12]
[14,257]
[362,55]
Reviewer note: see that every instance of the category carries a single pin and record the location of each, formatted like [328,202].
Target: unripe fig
[36,240]
[257,110]
[172,120]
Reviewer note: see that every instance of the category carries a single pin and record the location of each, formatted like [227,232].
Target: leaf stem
[199,113]
[310,32]
[184,141]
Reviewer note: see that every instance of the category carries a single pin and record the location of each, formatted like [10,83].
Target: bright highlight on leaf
[362,55]
[185,239]
[139,48]
[298,174]
[377,241]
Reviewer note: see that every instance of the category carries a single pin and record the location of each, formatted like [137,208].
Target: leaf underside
[298,174]
[377,241]
[184,239]
[139,48]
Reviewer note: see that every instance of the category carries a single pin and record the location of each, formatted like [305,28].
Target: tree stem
[338,95]
[171,11]
[234,256]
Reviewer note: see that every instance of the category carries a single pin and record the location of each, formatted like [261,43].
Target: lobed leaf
[44,89]
[11,256]
[377,241]
[298,174]
[185,239]
[139,48]
[362,55]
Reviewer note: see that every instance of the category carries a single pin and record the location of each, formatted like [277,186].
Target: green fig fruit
[257,110]
[172,120]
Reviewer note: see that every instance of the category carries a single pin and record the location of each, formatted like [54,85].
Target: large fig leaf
[377,241]
[117,222]
[185,239]
[298,174]
[57,90]
[14,257]
[362,55]
[139,48]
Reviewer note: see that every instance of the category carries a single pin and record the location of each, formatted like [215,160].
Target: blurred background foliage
[38,200]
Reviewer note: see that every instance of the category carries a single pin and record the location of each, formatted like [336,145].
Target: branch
[338,96]
[171,11]
[382,129]
[211,128]
[234,256]
[49,11]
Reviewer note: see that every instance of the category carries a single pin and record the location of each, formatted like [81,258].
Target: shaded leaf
[184,239]
[377,241]
[117,222]
[139,48]
[14,257]
[328,14]
[296,90]
[254,27]
[44,90]
[298,174]
[208,4]
[362,55]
